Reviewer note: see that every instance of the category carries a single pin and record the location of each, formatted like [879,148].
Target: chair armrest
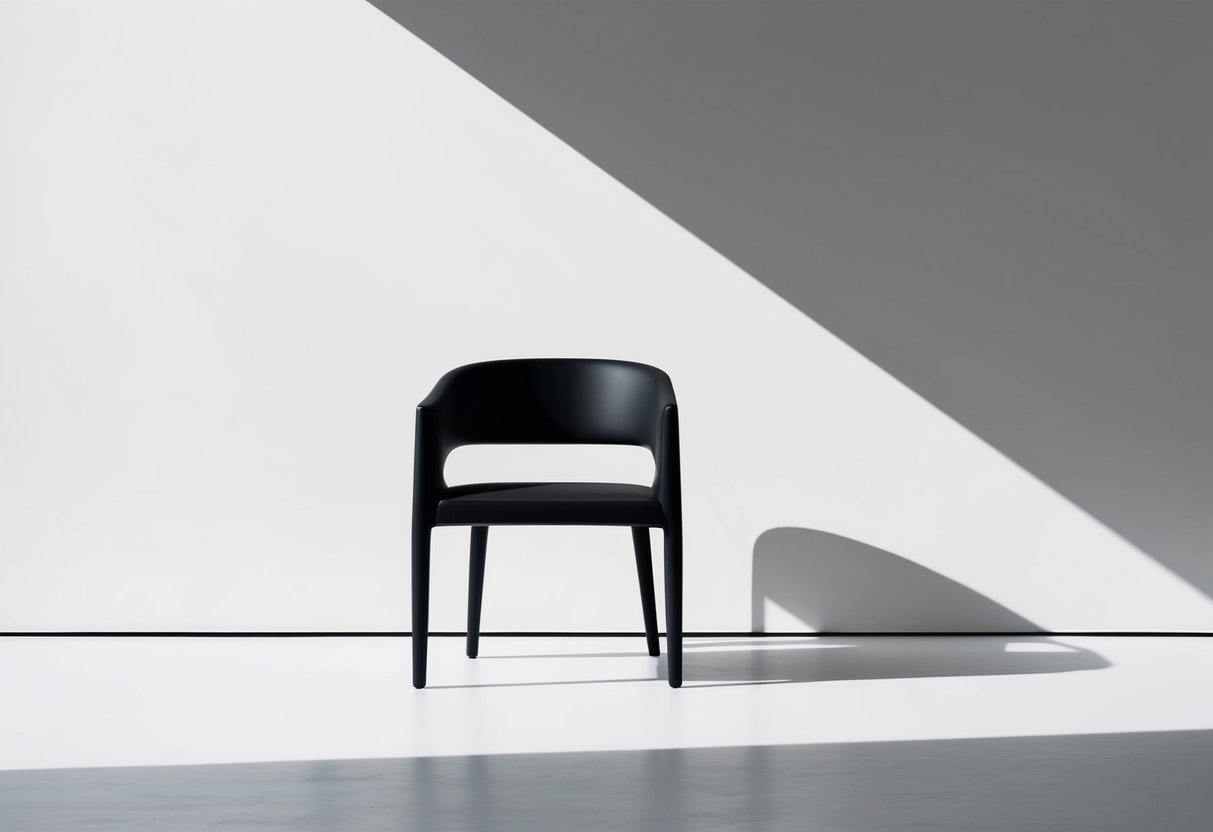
[668,481]
[429,455]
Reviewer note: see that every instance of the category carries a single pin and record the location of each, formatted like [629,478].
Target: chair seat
[549,503]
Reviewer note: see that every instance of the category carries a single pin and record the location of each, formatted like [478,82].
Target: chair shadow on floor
[727,662]
[771,661]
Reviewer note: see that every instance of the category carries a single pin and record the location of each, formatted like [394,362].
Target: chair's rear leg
[648,596]
[673,604]
[480,541]
[421,601]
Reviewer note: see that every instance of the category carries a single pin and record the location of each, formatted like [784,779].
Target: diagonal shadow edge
[1140,472]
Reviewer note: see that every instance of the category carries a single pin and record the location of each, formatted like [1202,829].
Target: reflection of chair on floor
[543,401]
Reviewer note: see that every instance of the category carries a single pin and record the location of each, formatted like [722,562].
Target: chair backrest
[552,400]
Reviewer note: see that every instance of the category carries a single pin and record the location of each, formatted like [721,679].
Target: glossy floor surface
[1129,782]
[769,734]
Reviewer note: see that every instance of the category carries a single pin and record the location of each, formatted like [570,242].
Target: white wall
[239,242]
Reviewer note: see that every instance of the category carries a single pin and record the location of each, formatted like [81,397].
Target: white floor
[86,702]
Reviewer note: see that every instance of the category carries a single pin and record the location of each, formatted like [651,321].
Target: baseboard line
[599,634]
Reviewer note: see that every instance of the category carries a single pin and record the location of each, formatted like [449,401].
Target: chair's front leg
[421,601]
[648,596]
[673,603]
[479,546]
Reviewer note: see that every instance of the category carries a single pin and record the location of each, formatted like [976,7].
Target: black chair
[540,401]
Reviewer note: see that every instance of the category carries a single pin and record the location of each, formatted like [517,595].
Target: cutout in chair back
[549,463]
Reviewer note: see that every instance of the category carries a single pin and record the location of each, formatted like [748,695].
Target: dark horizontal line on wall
[618,634]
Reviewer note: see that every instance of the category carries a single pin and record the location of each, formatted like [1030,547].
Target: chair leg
[480,542]
[673,604]
[421,602]
[648,596]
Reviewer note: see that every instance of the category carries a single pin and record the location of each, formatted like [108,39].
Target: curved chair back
[552,400]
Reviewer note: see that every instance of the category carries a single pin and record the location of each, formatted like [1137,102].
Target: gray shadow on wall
[836,584]
[1005,204]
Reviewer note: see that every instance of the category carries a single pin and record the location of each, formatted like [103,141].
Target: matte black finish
[673,605]
[480,542]
[577,503]
[648,596]
[421,601]
[549,401]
